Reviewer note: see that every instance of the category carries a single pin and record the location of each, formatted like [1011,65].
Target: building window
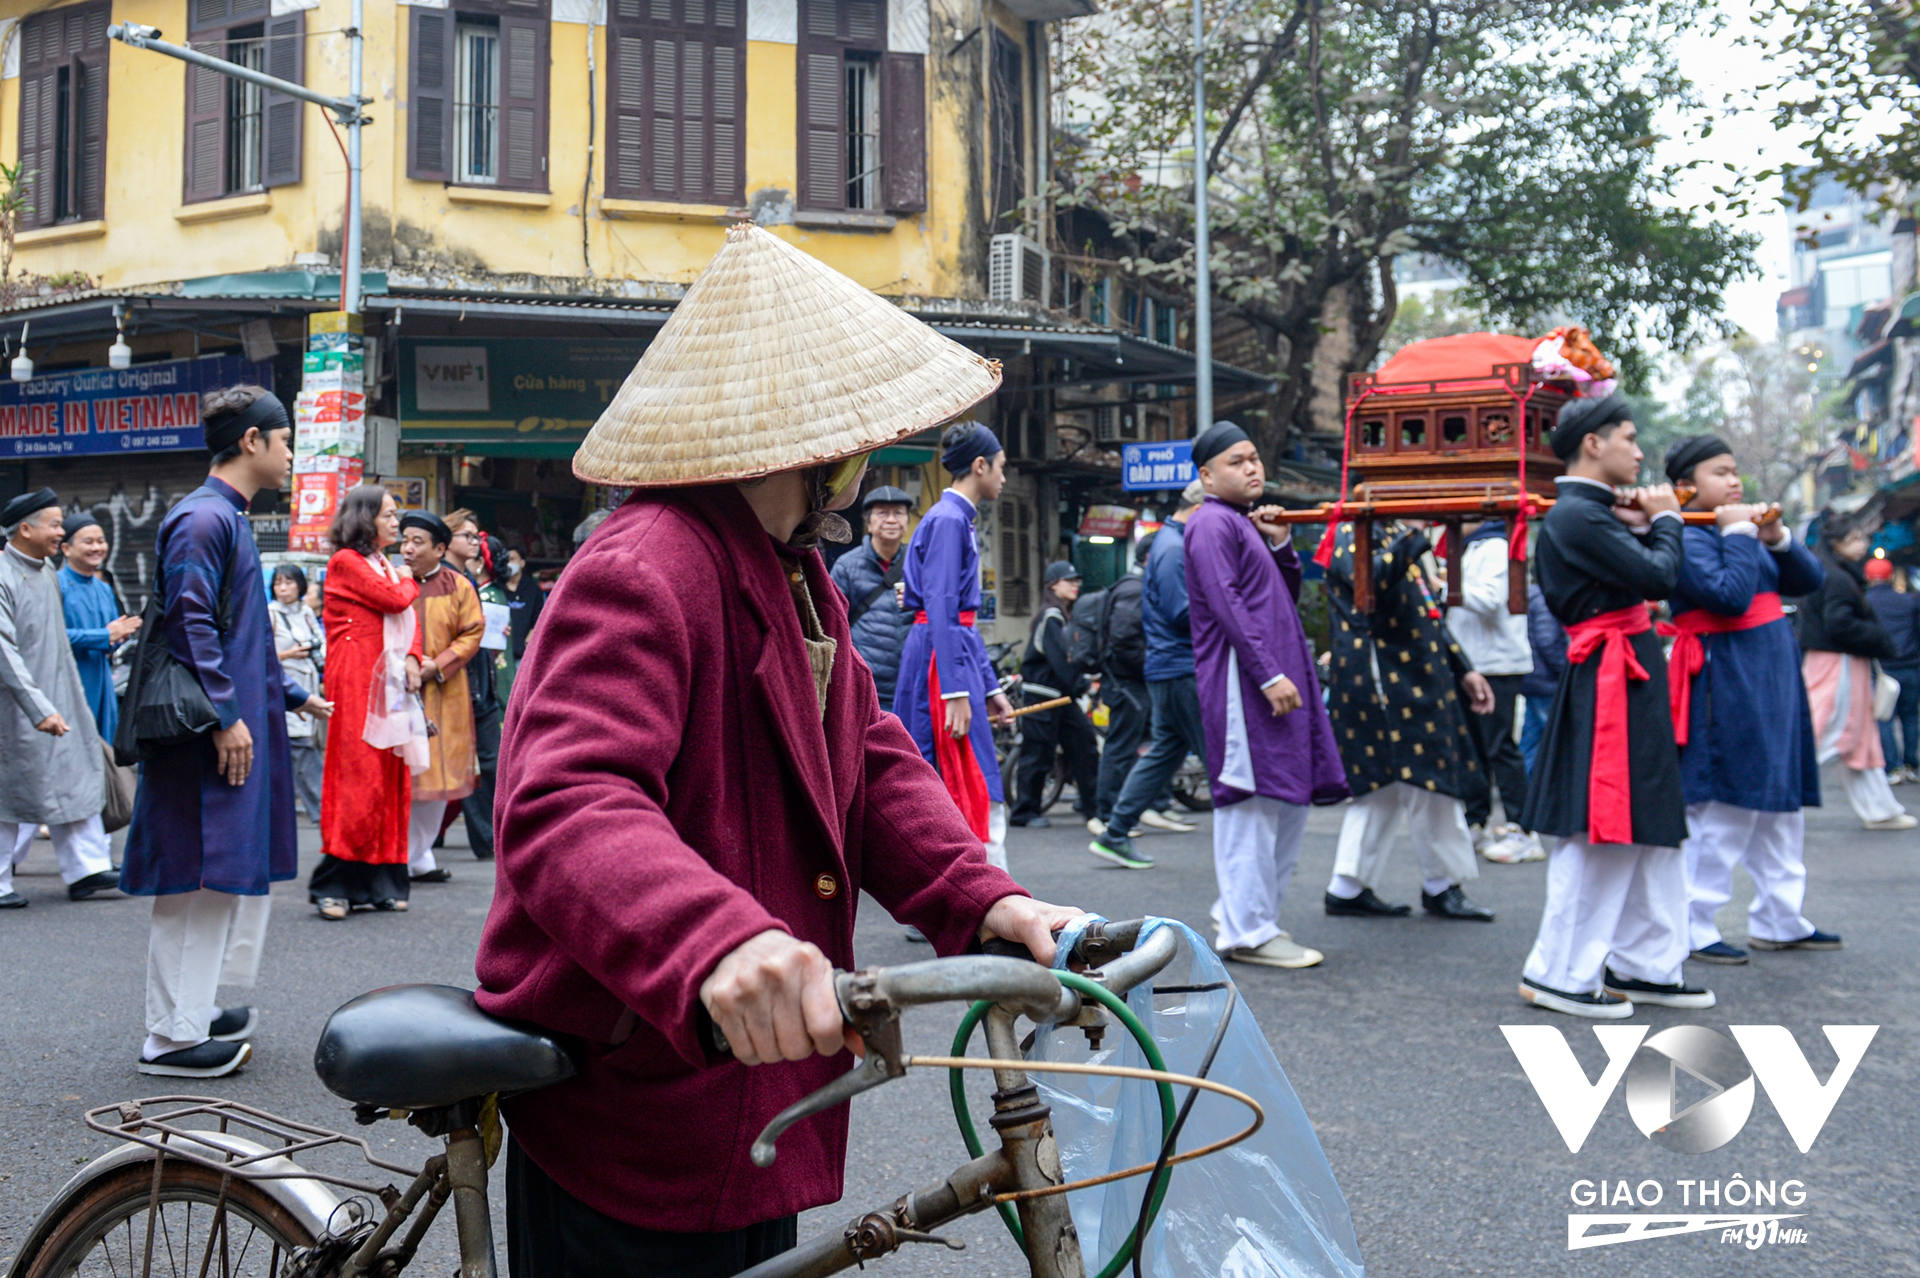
[477,76]
[676,101]
[1007,120]
[862,111]
[63,114]
[241,137]
[476,103]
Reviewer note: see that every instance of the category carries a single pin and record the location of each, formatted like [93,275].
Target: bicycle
[427,1055]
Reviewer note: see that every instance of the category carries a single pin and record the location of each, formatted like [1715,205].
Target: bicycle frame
[1028,1157]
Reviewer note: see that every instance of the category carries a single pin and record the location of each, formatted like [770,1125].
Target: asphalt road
[1447,1158]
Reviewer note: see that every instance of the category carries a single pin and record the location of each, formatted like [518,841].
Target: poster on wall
[154,408]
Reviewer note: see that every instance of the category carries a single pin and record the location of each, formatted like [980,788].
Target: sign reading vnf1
[154,408]
[1146,467]
[521,395]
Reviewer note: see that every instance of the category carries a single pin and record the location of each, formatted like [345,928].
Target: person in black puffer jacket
[867,575]
[1123,685]
[1841,638]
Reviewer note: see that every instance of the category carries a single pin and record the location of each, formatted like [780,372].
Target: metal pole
[1202,274]
[350,255]
[146,38]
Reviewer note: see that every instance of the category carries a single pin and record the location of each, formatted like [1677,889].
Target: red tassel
[1323,554]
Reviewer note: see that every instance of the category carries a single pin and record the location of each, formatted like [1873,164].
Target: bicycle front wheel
[116,1228]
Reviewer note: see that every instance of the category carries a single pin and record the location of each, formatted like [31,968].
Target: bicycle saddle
[419,1047]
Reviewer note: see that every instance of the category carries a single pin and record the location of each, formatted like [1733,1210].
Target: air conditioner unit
[1018,270]
[1115,422]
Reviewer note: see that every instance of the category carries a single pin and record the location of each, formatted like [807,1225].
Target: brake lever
[877,1021]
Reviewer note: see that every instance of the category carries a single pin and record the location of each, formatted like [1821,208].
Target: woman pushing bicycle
[697,781]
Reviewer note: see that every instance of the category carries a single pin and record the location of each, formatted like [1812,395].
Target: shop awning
[1101,358]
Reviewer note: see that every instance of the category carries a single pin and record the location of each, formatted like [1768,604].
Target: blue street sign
[150,409]
[1147,467]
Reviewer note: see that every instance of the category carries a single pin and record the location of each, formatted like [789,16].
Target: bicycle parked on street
[205,1186]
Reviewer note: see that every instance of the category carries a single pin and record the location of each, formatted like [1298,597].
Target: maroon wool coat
[666,791]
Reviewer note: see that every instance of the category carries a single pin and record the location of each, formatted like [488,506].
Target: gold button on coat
[827,887]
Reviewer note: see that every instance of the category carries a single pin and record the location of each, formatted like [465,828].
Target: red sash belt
[1689,657]
[1610,774]
[959,768]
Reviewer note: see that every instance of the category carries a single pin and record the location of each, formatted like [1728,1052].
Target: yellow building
[541,179]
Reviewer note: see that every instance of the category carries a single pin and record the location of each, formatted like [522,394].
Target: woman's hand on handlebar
[1031,923]
[773,998]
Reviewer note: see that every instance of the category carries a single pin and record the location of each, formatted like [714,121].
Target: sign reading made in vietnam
[154,408]
[519,395]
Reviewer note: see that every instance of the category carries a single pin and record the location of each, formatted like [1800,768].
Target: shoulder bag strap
[892,577]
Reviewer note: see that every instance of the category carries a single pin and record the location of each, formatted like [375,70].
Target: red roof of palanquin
[1440,359]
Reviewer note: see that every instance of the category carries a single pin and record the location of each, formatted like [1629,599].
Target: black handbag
[164,704]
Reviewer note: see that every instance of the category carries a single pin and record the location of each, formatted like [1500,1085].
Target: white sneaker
[1899,821]
[1171,824]
[1096,827]
[1281,951]
[1536,850]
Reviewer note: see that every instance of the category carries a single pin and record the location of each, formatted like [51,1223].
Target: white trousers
[1869,793]
[423,827]
[1437,823]
[1618,905]
[82,847]
[1256,844]
[996,843]
[1770,845]
[199,941]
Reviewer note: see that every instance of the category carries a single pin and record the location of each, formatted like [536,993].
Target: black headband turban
[978,442]
[268,413]
[434,526]
[1216,439]
[27,504]
[1582,417]
[1691,451]
[72,524]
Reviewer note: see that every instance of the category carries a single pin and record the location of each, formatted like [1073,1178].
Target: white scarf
[395,718]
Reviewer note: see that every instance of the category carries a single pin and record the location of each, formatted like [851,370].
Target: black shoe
[233,1024]
[1366,905]
[1032,823]
[483,856]
[1453,904]
[13,901]
[1816,940]
[1602,1006]
[441,875]
[1119,849]
[105,881]
[1719,952]
[1679,994]
[209,1060]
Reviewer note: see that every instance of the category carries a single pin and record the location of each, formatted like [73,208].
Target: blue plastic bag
[1267,1206]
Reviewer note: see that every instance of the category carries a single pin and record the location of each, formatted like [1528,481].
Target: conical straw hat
[773,361]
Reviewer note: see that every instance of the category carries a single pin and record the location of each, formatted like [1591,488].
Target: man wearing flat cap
[1047,675]
[1270,747]
[452,623]
[697,783]
[1606,782]
[52,767]
[213,822]
[1740,712]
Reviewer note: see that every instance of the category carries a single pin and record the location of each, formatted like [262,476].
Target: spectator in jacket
[1170,687]
[1123,689]
[1045,675]
[1495,641]
[870,576]
[524,596]
[1898,609]
[1548,639]
[1842,639]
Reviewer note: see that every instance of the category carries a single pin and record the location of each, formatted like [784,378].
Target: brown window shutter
[39,107]
[87,39]
[524,55]
[430,96]
[206,167]
[676,101]
[286,116]
[823,128]
[903,132]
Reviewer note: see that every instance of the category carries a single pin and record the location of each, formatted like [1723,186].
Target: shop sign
[154,408]
[1149,467]
[1106,521]
[477,391]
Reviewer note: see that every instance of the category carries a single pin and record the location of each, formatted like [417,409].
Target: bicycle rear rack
[285,1138]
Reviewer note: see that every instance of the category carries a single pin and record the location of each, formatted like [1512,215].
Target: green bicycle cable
[964,1115]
